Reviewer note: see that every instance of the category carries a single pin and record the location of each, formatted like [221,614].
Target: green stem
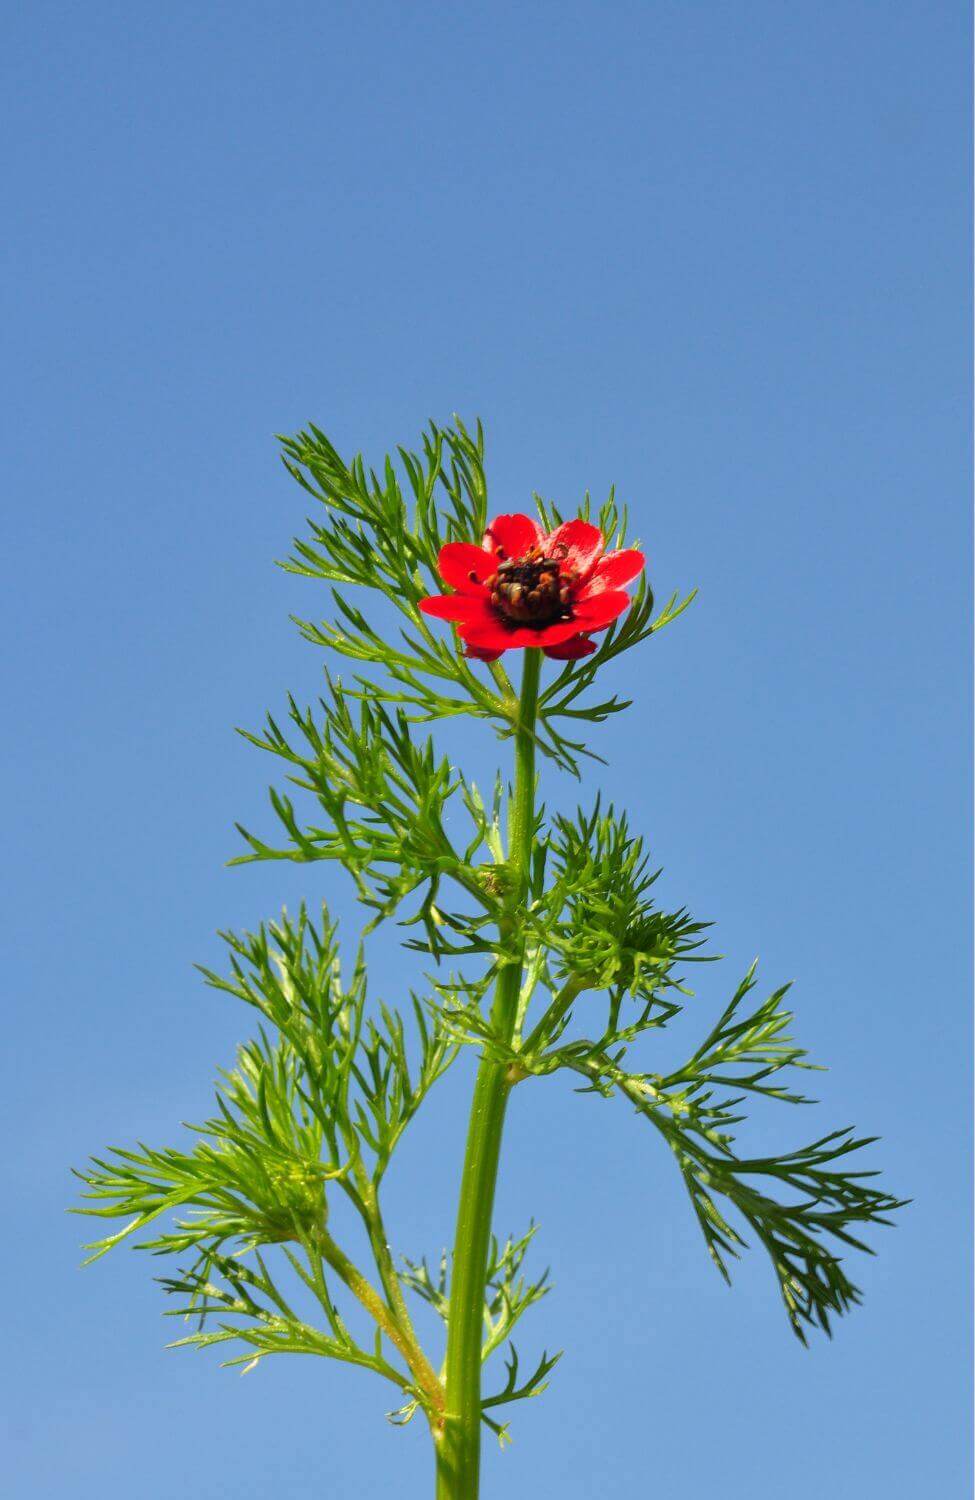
[569,992]
[394,1292]
[459,1445]
[427,1384]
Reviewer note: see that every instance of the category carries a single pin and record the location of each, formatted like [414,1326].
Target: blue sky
[716,254]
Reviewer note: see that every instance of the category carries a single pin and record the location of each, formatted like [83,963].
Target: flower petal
[496,636]
[577,544]
[485,635]
[456,607]
[613,571]
[512,535]
[570,650]
[481,653]
[458,560]
[599,610]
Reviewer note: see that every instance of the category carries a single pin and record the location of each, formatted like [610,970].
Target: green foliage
[508,1292]
[383,796]
[255,1174]
[795,1202]
[320,1109]
[318,1101]
[598,918]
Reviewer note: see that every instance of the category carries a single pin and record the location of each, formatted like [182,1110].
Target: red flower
[523,588]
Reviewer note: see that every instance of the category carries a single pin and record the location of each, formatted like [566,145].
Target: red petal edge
[596,611]
[570,650]
[490,636]
[513,535]
[580,545]
[613,571]
[481,653]
[469,607]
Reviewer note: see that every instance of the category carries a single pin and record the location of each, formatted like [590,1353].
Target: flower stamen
[531,590]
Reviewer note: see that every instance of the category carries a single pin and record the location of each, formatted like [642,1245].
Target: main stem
[459,1444]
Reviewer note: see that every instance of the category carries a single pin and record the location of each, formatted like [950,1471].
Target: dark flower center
[532,590]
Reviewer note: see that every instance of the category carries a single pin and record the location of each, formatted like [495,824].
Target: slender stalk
[459,1446]
[361,1288]
[379,1243]
[569,992]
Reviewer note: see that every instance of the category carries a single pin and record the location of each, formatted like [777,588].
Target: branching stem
[428,1386]
[562,1003]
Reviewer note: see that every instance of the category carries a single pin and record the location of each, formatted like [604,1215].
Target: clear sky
[714,253]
